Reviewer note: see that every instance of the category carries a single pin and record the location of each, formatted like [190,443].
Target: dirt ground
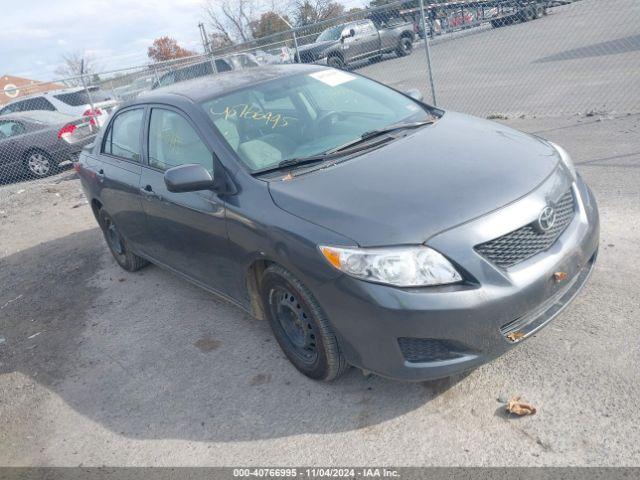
[103,367]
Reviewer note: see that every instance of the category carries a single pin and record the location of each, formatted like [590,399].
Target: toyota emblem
[547,218]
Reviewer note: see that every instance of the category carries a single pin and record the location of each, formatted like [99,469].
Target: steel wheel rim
[295,323]
[113,237]
[39,164]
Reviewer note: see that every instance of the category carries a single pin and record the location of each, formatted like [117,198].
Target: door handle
[100,175]
[149,194]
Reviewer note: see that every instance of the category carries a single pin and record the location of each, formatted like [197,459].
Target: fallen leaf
[287,177]
[518,407]
[515,336]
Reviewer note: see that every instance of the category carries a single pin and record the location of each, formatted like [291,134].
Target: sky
[116,33]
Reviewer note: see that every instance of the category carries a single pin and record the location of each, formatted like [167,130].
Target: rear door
[185,231]
[370,40]
[118,174]
[10,149]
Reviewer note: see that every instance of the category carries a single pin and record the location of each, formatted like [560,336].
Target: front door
[185,231]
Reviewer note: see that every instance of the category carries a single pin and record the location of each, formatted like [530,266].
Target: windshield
[332,33]
[305,115]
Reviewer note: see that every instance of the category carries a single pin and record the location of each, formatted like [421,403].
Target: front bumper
[386,330]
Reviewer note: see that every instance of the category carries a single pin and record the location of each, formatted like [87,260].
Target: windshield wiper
[380,131]
[294,162]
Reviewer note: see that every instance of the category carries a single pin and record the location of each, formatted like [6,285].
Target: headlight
[400,266]
[566,159]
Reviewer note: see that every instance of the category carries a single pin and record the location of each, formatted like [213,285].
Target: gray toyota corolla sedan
[367,227]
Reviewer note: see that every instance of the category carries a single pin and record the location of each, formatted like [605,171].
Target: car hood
[435,178]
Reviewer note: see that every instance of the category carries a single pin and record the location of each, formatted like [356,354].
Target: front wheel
[300,326]
[405,47]
[118,245]
[335,62]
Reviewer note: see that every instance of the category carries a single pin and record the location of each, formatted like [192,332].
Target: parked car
[367,227]
[201,69]
[133,89]
[71,101]
[35,143]
[341,45]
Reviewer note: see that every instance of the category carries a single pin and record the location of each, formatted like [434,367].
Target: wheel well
[254,275]
[95,208]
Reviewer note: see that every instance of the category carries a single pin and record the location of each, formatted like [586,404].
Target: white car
[71,101]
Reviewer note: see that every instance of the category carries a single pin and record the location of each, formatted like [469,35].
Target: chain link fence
[493,58]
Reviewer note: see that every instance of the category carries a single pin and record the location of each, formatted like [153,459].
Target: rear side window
[173,142]
[36,103]
[81,97]
[11,129]
[123,138]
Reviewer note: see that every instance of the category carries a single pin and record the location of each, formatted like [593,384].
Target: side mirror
[188,178]
[415,94]
[350,33]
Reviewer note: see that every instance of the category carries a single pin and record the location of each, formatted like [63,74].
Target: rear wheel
[405,47]
[300,326]
[39,164]
[118,245]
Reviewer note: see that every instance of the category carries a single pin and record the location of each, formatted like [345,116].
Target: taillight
[66,131]
[91,114]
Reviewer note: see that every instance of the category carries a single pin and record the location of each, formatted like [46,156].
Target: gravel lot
[102,367]
[581,56]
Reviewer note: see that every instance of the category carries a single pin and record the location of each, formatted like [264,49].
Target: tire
[300,326]
[336,62]
[539,11]
[404,47]
[118,245]
[527,15]
[39,164]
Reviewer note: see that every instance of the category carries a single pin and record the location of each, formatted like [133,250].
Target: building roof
[12,87]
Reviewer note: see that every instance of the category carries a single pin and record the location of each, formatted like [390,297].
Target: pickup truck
[341,45]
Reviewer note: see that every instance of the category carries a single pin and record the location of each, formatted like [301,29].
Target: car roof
[203,88]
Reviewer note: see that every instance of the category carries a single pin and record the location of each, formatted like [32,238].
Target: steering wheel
[329,117]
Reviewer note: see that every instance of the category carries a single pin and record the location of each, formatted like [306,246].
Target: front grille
[515,247]
[420,350]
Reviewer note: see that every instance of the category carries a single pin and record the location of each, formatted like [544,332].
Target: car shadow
[149,356]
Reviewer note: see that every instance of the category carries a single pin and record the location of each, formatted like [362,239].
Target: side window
[173,142]
[11,129]
[37,103]
[367,28]
[12,108]
[123,137]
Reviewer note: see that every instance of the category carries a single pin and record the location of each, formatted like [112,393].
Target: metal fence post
[296,57]
[426,49]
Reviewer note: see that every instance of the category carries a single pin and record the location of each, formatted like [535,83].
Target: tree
[231,19]
[307,12]
[269,23]
[72,65]
[167,48]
